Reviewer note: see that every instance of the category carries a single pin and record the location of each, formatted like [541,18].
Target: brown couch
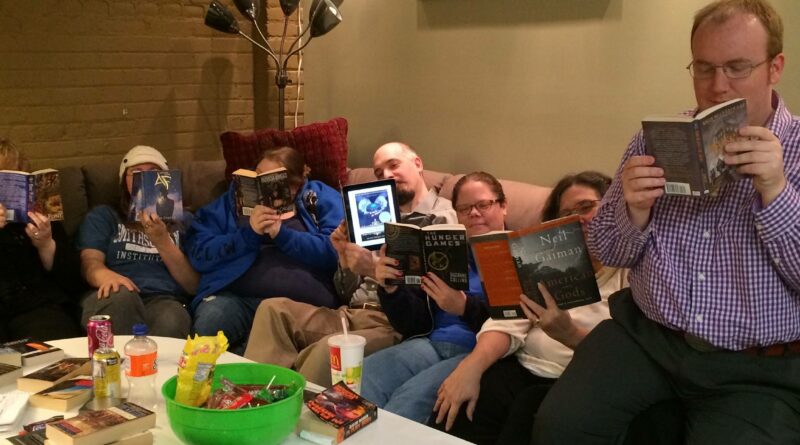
[94,184]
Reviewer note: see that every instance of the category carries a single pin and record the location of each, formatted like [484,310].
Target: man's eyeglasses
[482,206]
[733,70]
[582,208]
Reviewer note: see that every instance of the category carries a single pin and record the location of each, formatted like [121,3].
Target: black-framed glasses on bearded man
[737,69]
[582,208]
[482,206]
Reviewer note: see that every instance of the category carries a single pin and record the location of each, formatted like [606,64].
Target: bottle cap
[140,329]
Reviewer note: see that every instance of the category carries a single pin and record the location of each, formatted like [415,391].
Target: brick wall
[82,79]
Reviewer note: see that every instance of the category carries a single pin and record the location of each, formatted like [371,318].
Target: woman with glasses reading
[492,395]
[437,322]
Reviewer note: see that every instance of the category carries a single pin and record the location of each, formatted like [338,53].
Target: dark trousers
[46,322]
[509,398]
[630,363]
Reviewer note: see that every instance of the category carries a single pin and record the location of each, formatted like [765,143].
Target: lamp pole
[323,17]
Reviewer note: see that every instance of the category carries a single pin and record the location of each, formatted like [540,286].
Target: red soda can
[99,332]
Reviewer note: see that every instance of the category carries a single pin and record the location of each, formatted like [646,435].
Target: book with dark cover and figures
[59,371]
[28,352]
[65,395]
[271,189]
[440,248]
[23,192]
[9,374]
[553,253]
[157,192]
[102,426]
[338,413]
[691,149]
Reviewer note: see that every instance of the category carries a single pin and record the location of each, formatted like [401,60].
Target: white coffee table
[389,429]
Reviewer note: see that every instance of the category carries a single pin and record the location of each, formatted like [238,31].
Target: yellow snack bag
[196,368]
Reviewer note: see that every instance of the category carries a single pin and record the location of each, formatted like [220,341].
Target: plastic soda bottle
[141,367]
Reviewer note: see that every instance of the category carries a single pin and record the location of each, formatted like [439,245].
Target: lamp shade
[248,8]
[219,18]
[324,16]
[289,6]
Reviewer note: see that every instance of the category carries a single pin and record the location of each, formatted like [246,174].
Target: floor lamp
[323,16]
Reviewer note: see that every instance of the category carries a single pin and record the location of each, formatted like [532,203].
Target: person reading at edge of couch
[712,317]
[244,260]
[140,272]
[437,322]
[39,272]
[502,381]
[293,334]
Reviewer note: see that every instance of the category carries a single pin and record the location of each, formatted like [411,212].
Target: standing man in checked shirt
[712,318]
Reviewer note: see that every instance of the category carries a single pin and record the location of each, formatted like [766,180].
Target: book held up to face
[157,192]
[271,189]
[691,149]
[23,192]
[553,253]
[440,248]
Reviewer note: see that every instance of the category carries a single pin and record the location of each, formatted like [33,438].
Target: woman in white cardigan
[515,362]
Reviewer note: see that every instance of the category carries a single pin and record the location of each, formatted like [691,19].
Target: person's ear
[776,69]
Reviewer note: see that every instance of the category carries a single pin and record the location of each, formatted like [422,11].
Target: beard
[405,196]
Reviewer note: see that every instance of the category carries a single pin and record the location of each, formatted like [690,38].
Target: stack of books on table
[125,424]
[64,384]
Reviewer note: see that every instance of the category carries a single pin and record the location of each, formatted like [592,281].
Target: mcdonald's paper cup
[347,359]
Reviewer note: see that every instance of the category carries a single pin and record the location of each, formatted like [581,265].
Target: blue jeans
[404,378]
[228,313]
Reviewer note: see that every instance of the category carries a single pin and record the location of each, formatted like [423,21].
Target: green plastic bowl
[267,425]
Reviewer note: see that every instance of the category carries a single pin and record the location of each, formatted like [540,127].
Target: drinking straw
[344,326]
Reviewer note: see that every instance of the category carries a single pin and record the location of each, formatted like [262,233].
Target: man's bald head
[398,161]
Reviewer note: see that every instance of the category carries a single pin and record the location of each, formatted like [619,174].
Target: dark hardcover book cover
[271,189]
[22,192]
[690,149]
[159,192]
[342,408]
[447,254]
[555,254]
[439,248]
[403,244]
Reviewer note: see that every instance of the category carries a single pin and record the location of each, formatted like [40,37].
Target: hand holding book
[155,229]
[450,300]
[642,184]
[555,322]
[265,221]
[386,269]
[759,154]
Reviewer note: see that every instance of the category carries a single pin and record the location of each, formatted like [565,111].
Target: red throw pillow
[324,145]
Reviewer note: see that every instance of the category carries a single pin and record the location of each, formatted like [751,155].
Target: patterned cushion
[324,145]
